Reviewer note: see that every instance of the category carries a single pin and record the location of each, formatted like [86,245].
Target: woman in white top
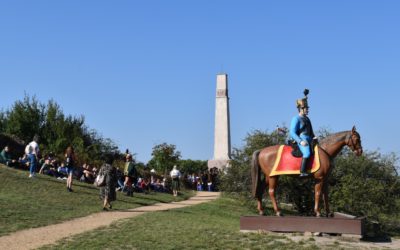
[175,175]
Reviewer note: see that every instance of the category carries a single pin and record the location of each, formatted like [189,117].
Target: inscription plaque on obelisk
[222,137]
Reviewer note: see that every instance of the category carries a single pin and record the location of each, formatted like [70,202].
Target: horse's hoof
[261,213]
[279,214]
[318,215]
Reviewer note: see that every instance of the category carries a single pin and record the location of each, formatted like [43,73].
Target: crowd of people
[204,181]
[127,180]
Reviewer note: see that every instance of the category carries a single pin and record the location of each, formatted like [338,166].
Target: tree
[366,186]
[25,119]
[164,157]
[3,121]
[192,166]
[56,130]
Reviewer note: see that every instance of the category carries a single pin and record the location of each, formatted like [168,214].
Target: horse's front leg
[271,190]
[318,189]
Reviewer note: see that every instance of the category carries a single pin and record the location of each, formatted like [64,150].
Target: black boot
[303,172]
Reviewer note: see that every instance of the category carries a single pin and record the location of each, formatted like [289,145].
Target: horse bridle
[352,145]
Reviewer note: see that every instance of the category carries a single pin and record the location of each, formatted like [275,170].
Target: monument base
[302,224]
[219,164]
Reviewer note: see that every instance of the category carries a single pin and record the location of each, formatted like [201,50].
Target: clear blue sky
[144,72]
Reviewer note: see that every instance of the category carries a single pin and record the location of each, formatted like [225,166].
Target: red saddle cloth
[286,163]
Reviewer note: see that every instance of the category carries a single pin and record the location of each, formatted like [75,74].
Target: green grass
[27,203]
[213,225]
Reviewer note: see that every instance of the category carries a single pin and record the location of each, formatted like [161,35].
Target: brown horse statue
[328,149]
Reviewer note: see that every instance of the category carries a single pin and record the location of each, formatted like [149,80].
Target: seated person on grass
[23,161]
[156,186]
[5,157]
[120,180]
[45,167]
[62,171]
[145,185]
[53,168]
[88,174]
[95,171]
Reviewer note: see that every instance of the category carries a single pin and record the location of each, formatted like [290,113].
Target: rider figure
[301,131]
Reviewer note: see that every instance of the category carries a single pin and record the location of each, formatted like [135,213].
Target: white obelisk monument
[222,135]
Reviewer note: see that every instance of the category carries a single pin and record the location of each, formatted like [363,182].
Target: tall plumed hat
[303,103]
[128,155]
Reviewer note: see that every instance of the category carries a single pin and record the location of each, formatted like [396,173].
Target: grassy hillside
[44,200]
[213,225]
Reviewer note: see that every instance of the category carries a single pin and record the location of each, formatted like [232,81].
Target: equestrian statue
[303,157]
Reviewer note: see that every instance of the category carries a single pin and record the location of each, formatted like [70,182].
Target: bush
[367,186]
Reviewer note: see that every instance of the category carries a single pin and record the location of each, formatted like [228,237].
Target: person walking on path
[70,161]
[129,173]
[175,175]
[107,192]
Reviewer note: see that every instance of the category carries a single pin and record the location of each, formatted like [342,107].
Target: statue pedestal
[302,224]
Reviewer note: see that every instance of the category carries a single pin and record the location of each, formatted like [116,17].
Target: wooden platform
[303,224]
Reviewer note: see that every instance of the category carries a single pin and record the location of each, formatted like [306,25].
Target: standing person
[35,146]
[33,161]
[175,175]
[301,131]
[70,161]
[129,173]
[107,192]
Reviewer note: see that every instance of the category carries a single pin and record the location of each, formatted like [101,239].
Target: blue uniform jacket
[301,130]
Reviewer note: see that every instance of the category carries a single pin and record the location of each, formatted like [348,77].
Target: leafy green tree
[192,166]
[25,119]
[57,131]
[3,121]
[367,186]
[164,157]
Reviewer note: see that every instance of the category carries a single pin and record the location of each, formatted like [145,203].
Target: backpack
[100,180]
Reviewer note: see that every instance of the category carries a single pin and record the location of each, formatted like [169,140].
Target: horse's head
[353,141]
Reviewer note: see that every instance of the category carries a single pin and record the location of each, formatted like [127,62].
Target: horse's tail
[258,186]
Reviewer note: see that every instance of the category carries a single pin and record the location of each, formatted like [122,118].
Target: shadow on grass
[153,199]
[181,211]
[134,202]
[166,210]
[82,192]
[136,211]
[378,233]
[377,239]
[74,183]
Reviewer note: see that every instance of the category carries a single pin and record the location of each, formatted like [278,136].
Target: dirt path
[37,237]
